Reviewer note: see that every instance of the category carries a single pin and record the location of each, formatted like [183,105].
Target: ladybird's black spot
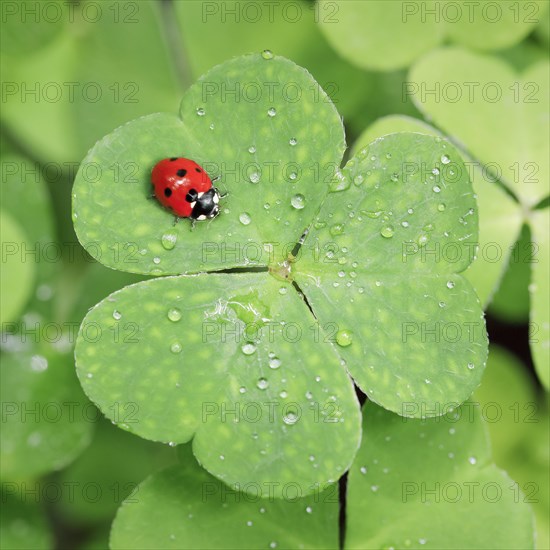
[167,192]
[198,170]
[181,173]
[173,159]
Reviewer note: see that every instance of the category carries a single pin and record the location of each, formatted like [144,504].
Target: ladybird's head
[205,205]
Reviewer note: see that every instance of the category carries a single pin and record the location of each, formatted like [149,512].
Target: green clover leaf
[380,264]
[187,508]
[385,36]
[422,498]
[508,148]
[505,141]
[268,148]
[195,355]
[23,523]
[231,360]
[46,424]
[499,215]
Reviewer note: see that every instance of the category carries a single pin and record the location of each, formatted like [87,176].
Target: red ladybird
[185,188]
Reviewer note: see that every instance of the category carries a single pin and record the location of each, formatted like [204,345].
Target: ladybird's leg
[193,223]
[176,220]
[222,195]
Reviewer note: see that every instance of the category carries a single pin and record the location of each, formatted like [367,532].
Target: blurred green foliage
[77,70]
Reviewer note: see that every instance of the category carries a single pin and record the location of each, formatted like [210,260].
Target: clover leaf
[509,103]
[273,151]
[499,215]
[231,360]
[507,147]
[23,522]
[380,265]
[46,414]
[247,364]
[185,507]
[27,237]
[17,274]
[423,497]
[385,36]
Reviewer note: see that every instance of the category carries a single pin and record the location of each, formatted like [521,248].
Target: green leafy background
[144,57]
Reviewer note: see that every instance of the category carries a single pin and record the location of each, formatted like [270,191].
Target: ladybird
[185,188]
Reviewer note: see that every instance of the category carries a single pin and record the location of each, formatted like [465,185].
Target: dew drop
[358,180]
[374,488]
[244,218]
[272,111]
[200,111]
[471,366]
[156,260]
[292,141]
[117,315]
[344,338]
[309,509]
[422,239]
[283,394]
[363,470]
[450,284]
[441,207]
[248,348]
[175,347]
[262,383]
[274,363]
[254,177]
[387,232]
[337,229]
[445,159]
[242,389]
[405,224]
[174,314]
[168,240]
[252,149]
[442,304]
[436,189]
[290,418]
[472,460]
[298,201]
[267,54]
[435,171]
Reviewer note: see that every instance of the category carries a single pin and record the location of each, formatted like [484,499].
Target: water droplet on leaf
[298,201]
[168,240]
[174,314]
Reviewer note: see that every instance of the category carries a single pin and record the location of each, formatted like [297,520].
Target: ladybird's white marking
[201,218]
[199,195]
[216,198]
[193,204]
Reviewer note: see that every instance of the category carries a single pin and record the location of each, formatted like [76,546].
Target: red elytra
[185,188]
